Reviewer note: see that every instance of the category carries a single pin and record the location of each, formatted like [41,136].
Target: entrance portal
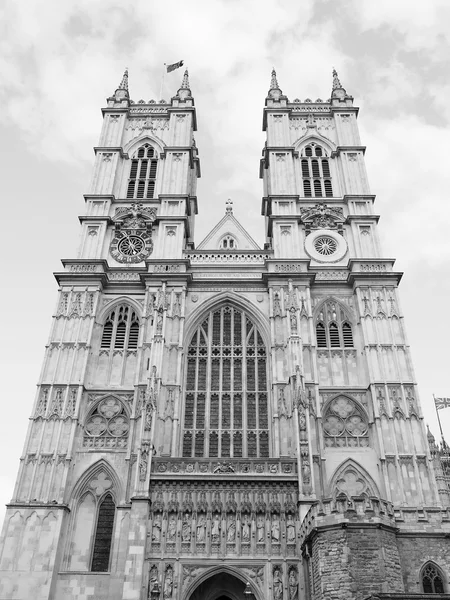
[222,586]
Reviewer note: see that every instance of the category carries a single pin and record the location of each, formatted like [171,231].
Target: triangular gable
[228,225]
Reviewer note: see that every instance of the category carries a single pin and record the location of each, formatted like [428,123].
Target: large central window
[226,407]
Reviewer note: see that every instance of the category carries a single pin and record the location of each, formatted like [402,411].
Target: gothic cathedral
[225,421]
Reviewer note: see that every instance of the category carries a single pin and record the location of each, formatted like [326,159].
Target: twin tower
[221,420]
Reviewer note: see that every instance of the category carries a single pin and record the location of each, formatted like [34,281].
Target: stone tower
[224,421]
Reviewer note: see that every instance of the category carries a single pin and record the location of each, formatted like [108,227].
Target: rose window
[325,245]
[345,424]
[107,426]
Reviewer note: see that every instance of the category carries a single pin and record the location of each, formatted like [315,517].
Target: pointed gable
[228,234]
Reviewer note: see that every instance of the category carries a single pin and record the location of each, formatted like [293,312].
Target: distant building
[224,420]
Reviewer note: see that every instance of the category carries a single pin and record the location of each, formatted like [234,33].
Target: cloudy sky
[60,60]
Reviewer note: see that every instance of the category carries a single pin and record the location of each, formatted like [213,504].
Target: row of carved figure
[218,527]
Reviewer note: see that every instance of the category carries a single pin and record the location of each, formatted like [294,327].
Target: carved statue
[293,585]
[231,529]
[168,583]
[156,531]
[186,528]
[201,524]
[260,528]
[290,527]
[246,529]
[215,529]
[172,528]
[275,530]
[277,585]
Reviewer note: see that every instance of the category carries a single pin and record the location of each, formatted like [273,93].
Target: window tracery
[345,424]
[107,426]
[316,172]
[226,403]
[144,166]
[432,580]
[103,534]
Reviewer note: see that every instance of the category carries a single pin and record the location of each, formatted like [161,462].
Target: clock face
[131,246]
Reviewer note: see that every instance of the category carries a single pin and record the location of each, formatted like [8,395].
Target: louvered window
[226,402]
[103,535]
[121,329]
[143,170]
[316,173]
[332,327]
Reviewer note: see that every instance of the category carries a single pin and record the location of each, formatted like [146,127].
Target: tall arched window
[333,329]
[103,534]
[226,405]
[143,173]
[432,580]
[316,172]
[121,329]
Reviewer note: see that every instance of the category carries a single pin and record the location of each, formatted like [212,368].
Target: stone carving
[260,528]
[153,577]
[276,305]
[277,584]
[57,404]
[215,527]
[186,529]
[246,528]
[173,503]
[158,504]
[169,407]
[260,504]
[63,304]
[290,529]
[201,528]
[293,321]
[224,468]
[231,528]
[275,530]
[143,461]
[293,584]
[156,529]
[176,308]
[231,505]
[168,583]
[172,528]
[246,506]
[322,216]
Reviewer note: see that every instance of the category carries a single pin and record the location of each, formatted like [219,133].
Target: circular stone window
[324,245]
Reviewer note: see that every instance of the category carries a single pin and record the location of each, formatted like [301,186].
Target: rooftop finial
[229,206]
[185,82]
[336,83]
[124,83]
[273,81]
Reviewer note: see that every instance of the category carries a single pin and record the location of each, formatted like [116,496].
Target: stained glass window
[226,401]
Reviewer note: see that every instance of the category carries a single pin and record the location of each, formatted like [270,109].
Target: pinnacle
[273,81]
[124,83]
[185,82]
[336,82]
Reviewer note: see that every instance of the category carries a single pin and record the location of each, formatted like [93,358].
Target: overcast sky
[60,60]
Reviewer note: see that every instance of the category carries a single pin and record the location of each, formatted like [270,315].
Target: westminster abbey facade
[221,421]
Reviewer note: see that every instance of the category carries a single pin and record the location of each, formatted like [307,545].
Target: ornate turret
[274,90]
[121,95]
[338,92]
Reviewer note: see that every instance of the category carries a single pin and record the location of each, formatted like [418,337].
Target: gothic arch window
[226,402]
[316,173]
[107,425]
[333,329]
[228,243]
[121,329]
[142,180]
[345,424]
[432,579]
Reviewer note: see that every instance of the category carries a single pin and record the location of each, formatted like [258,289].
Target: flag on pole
[442,403]
[176,65]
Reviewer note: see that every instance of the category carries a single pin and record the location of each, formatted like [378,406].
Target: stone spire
[336,82]
[184,91]
[229,207]
[121,95]
[124,83]
[273,81]
[338,92]
[274,91]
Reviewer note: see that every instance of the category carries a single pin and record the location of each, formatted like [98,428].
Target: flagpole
[439,419]
[162,83]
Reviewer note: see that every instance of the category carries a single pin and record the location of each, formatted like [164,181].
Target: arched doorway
[222,586]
